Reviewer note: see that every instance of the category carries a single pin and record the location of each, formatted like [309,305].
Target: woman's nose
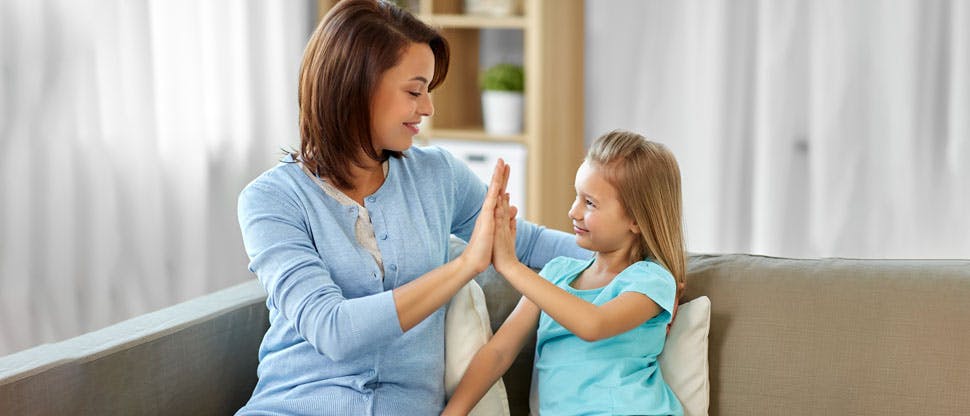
[425,106]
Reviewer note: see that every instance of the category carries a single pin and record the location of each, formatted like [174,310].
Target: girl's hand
[478,253]
[503,248]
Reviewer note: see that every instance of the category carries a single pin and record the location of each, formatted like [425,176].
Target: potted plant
[502,98]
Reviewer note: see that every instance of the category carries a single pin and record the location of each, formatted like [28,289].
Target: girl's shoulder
[649,278]
[563,267]
[648,268]
[647,273]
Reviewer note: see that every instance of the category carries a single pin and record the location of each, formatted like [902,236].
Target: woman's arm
[585,320]
[299,285]
[417,299]
[494,358]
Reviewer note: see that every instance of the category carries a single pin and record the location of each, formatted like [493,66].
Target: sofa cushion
[467,328]
[683,361]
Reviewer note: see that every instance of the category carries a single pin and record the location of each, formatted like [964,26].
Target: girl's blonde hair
[647,178]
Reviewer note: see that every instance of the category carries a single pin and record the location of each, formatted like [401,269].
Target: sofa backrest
[790,337]
[195,358]
[836,336]
[816,337]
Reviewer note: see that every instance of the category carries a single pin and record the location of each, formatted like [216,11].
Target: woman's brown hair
[647,177]
[351,48]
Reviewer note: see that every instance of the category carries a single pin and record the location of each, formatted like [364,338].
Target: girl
[601,322]
[350,236]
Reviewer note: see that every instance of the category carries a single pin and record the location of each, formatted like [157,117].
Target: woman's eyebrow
[420,79]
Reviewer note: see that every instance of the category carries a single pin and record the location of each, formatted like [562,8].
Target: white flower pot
[496,8]
[502,111]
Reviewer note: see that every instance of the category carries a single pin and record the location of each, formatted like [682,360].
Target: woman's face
[401,99]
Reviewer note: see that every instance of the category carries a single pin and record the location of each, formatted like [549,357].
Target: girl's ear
[634,228]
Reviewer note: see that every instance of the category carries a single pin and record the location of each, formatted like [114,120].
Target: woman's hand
[503,248]
[478,253]
[419,298]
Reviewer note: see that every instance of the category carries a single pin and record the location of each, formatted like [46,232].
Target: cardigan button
[384,236]
[393,267]
[371,198]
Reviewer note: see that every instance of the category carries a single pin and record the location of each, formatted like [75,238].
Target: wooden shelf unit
[553,62]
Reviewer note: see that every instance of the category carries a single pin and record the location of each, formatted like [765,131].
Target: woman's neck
[366,180]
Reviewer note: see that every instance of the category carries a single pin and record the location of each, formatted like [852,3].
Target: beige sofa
[788,337]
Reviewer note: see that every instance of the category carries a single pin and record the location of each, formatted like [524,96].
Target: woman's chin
[403,145]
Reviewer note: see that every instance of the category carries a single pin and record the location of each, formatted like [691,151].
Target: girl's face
[599,220]
[401,99]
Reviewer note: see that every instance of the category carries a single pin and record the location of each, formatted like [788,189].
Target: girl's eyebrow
[420,79]
[586,195]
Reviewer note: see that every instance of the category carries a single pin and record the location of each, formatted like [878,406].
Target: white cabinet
[481,157]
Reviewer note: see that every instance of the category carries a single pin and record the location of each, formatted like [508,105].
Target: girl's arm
[585,320]
[494,358]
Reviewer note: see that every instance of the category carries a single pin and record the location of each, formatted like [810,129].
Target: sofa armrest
[198,357]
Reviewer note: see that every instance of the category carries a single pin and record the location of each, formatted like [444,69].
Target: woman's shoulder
[431,157]
[282,181]
[434,167]
[429,151]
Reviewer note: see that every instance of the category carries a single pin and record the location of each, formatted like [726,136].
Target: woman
[349,237]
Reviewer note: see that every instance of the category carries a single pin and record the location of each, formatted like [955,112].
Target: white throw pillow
[683,361]
[467,329]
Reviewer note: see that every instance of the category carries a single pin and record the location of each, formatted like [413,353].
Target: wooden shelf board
[459,21]
[472,134]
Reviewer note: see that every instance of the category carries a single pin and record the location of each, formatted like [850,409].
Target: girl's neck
[612,262]
[606,266]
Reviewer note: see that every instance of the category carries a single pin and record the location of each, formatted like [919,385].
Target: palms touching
[478,253]
[503,248]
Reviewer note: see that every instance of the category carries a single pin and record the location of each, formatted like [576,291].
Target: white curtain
[128,129]
[803,128]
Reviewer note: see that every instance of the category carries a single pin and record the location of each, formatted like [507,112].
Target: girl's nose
[574,211]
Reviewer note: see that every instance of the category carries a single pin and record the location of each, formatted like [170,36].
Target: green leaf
[503,77]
